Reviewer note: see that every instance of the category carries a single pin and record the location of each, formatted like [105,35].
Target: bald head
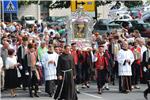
[5,44]
[140,41]
[125,45]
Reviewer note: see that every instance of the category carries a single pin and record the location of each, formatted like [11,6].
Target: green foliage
[57,4]
[61,4]
[148,1]
[66,4]
[101,3]
[26,2]
[131,4]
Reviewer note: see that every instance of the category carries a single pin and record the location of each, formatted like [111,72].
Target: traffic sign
[10,6]
[88,5]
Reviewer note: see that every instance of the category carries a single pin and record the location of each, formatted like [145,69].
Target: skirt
[11,79]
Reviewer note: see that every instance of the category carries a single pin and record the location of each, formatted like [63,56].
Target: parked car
[60,20]
[144,29]
[124,16]
[28,20]
[113,13]
[132,23]
[106,28]
[146,18]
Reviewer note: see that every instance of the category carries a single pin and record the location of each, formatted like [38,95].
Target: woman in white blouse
[1,73]
[11,78]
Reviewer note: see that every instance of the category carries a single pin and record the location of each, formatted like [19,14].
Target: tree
[131,4]
[148,1]
[60,4]
[67,4]
[26,2]
[102,3]
[57,4]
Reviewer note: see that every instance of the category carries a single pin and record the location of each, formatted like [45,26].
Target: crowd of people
[37,55]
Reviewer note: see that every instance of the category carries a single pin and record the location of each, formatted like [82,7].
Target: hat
[101,44]
[73,43]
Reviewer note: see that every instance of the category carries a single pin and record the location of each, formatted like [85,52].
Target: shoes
[39,91]
[99,91]
[137,87]
[78,92]
[126,91]
[113,83]
[2,90]
[50,94]
[24,88]
[31,95]
[145,95]
[36,95]
[83,86]
[13,95]
[106,88]
[87,85]
[132,87]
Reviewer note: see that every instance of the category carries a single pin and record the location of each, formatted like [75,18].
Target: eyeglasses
[101,46]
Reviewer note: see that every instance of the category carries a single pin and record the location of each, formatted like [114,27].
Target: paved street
[86,94]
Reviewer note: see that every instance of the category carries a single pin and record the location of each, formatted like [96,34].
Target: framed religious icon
[80,27]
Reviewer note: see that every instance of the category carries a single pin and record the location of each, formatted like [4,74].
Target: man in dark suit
[21,52]
[146,67]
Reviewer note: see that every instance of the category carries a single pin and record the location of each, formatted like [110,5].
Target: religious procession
[68,59]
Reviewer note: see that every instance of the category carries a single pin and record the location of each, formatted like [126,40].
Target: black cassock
[66,87]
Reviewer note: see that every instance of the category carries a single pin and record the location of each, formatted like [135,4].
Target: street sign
[10,6]
[88,5]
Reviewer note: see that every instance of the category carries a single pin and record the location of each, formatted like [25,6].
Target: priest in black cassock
[66,74]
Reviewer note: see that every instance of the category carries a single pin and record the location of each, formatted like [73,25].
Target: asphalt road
[86,94]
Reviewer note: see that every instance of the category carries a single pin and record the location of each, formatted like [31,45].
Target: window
[29,18]
[103,27]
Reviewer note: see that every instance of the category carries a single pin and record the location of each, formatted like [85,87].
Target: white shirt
[50,69]
[10,61]
[125,69]
[1,63]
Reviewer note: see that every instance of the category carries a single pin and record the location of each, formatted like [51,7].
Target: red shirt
[75,56]
[135,51]
[100,63]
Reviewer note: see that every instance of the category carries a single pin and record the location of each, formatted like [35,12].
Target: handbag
[18,73]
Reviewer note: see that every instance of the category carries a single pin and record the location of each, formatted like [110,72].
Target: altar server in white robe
[125,59]
[50,59]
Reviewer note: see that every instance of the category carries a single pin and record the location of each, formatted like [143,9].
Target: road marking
[92,95]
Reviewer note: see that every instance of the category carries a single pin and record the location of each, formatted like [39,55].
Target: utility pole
[95,11]
[2,9]
[38,11]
